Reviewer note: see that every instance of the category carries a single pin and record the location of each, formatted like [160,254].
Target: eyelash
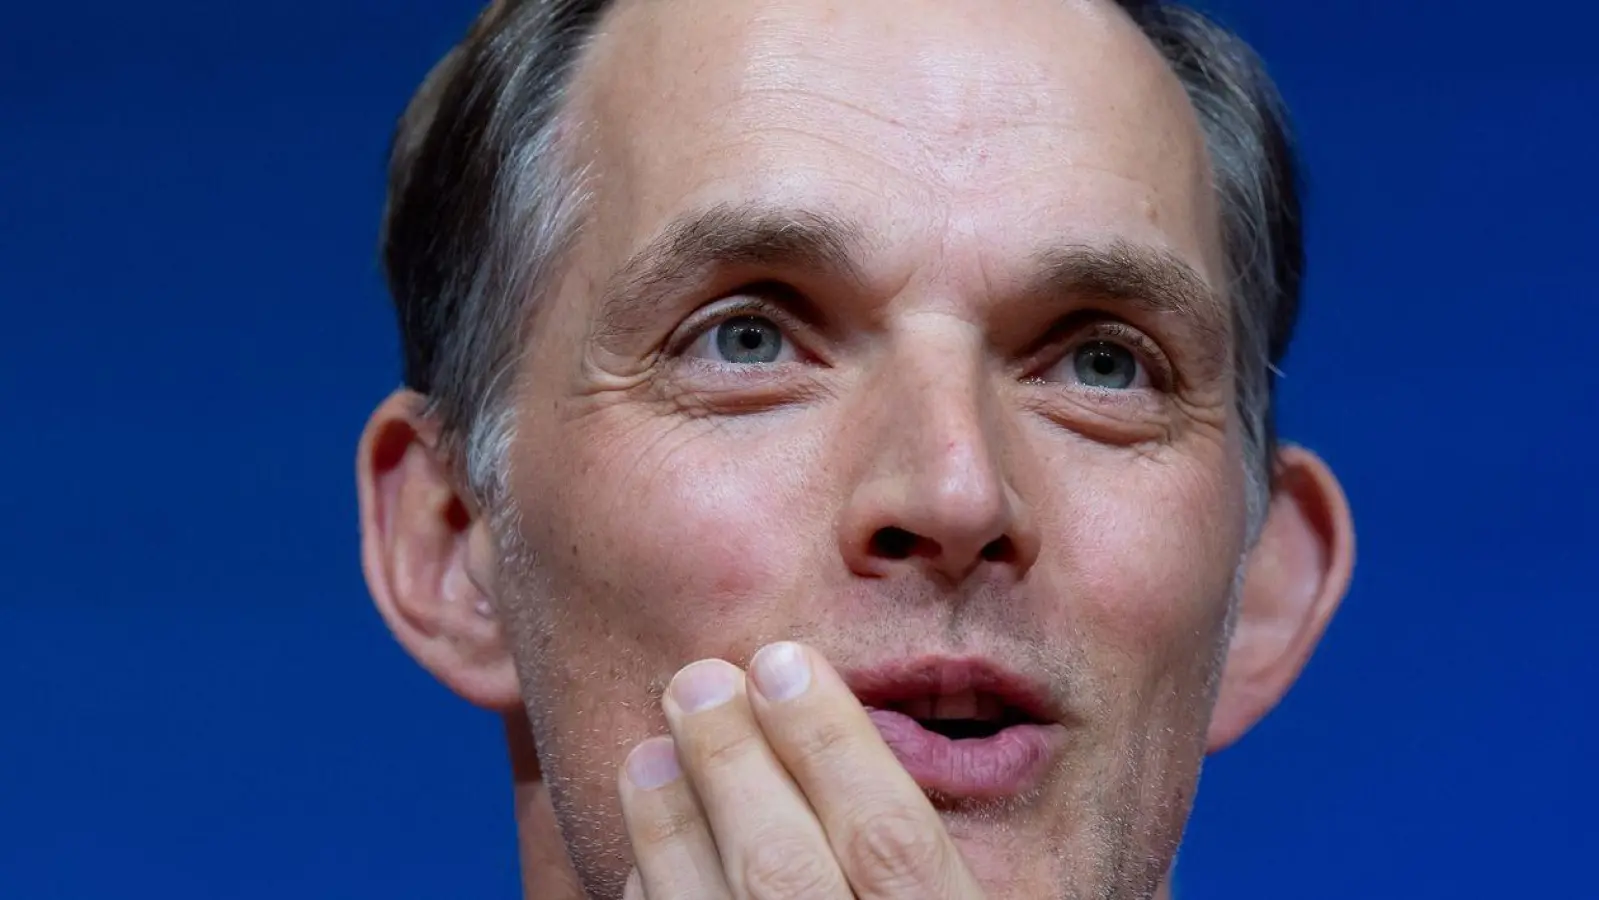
[748,303]
[1143,347]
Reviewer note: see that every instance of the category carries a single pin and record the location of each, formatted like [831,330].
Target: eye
[743,340]
[1107,365]
[1112,357]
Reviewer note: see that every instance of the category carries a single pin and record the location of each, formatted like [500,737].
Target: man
[837,436]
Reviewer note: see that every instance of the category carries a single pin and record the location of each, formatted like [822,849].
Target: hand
[779,786]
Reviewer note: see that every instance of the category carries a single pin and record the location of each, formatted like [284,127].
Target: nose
[935,493]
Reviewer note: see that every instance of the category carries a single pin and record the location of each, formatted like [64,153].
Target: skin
[667,506]
[789,793]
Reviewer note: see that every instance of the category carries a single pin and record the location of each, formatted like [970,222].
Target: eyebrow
[1145,278]
[697,244]
[765,237]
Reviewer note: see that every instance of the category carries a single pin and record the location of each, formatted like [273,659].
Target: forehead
[1008,122]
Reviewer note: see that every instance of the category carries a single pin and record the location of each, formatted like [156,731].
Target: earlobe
[1295,578]
[427,555]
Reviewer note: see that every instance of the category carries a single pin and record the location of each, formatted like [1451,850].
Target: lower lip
[1004,765]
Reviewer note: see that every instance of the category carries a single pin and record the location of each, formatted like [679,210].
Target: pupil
[1106,365]
[749,339]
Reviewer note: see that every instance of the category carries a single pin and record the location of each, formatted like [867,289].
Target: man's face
[894,330]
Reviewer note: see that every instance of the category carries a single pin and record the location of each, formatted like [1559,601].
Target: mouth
[964,728]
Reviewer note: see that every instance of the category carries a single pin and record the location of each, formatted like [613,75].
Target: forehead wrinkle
[928,80]
[771,118]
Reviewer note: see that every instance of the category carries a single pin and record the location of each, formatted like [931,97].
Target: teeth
[964,705]
[956,706]
[989,709]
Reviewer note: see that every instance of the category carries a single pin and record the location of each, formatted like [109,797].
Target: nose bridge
[939,492]
[951,446]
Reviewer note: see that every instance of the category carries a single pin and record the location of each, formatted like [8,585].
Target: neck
[547,872]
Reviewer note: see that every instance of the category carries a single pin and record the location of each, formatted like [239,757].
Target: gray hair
[483,200]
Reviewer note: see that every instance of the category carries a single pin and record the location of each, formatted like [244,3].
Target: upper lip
[885,684]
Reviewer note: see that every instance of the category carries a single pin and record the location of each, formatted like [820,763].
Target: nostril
[894,543]
[1000,549]
[897,543]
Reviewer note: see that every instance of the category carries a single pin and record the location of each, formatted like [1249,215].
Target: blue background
[200,702]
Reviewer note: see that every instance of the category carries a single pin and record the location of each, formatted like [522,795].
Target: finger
[634,889]
[770,843]
[886,836]
[673,851]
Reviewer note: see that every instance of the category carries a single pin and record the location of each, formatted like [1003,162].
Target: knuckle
[824,741]
[890,852]
[783,870]
[668,825]
[725,748]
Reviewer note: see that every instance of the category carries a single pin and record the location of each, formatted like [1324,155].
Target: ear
[1296,576]
[428,554]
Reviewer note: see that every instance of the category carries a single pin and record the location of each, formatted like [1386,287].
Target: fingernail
[781,671]
[653,764]
[704,685]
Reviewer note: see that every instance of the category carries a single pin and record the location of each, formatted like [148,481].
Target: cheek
[684,537]
[1152,548]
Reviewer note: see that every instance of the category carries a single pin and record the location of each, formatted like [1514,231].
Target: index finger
[887,837]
